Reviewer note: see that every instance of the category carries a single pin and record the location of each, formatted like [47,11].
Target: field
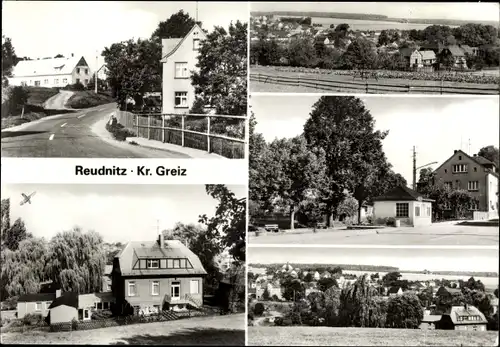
[217,330]
[86,99]
[325,336]
[339,81]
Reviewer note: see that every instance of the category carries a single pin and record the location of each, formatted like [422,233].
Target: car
[321,225]
[272,227]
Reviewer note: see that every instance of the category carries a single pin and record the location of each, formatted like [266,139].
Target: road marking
[83,115]
[62,126]
[51,137]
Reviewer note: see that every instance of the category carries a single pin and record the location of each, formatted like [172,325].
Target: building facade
[179,59]
[49,73]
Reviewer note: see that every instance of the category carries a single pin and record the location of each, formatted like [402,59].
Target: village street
[446,233]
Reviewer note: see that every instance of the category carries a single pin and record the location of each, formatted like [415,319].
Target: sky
[120,213]
[462,11]
[46,28]
[416,259]
[436,126]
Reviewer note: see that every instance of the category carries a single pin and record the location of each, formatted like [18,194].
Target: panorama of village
[312,302]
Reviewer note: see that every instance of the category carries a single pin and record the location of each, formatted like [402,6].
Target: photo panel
[372,297]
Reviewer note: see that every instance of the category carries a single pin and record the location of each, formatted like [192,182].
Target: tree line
[338,156]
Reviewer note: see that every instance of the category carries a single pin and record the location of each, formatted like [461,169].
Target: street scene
[151,90]
[123,264]
[377,48]
[373,171]
[372,297]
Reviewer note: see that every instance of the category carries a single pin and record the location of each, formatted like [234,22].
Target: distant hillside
[456,273]
[347,267]
[374,17]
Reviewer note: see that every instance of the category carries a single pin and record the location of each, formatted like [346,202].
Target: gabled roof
[452,290]
[169,46]
[151,250]
[467,49]
[66,299]
[431,318]
[44,67]
[478,159]
[393,290]
[407,51]
[402,193]
[426,55]
[456,51]
[466,311]
[37,297]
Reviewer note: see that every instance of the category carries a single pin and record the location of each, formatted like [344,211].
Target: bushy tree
[9,58]
[360,55]
[404,311]
[177,25]
[301,52]
[491,153]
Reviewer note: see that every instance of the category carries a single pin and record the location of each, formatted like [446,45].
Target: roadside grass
[87,98]
[327,336]
[38,95]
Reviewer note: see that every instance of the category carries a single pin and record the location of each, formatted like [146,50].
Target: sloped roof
[482,160]
[431,318]
[467,49]
[462,311]
[169,46]
[428,55]
[66,299]
[456,51]
[393,290]
[37,297]
[401,193]
[478,159]
[151,250]
[407,51]
[452,290]
[54,66]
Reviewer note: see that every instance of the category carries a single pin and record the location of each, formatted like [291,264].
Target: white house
[179,58]
[53,72]
[405,205]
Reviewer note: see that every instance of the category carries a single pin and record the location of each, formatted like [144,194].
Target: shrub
[75,87]
[101,314]
[118,131]
[250,316]
[32,319]
[259,309]
[278,321]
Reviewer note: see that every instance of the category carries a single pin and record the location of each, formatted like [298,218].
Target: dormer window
[153,263]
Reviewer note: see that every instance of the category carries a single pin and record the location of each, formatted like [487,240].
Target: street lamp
[415,173]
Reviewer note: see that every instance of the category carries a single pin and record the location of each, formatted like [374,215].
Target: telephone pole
[96,71]
[196,11]
[414,185]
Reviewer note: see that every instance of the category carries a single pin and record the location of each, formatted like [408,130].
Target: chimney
[72,55]
[58,293]
[161,240]
[455,151]
[475,155]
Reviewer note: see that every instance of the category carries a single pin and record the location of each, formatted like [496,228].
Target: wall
[387,209]
[491,193]
[445,174]
[143,288]
[170,84]
[63,314]
[24,308]
[30,80]
[89,300]
[82,75]
[425,218]
[479,327]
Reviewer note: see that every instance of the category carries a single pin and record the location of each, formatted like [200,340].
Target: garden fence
[220,134]
[369,87]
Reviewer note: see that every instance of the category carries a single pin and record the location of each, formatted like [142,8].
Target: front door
[175,290]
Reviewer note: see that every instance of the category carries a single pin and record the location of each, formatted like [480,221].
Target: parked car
[321,225]
[272,227]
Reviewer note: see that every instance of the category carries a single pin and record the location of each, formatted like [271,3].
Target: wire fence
[220,134]
[369,87]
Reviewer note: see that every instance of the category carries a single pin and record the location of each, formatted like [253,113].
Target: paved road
[58,102]
[439,234]
[72,135]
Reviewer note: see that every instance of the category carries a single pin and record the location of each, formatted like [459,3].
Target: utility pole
[96,71]
[196,12]
[414,186]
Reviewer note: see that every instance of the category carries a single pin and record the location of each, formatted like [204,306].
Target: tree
[476,35]
[293,289]
[266,52]
[266,295]
[9,58]
[460,201]
[326,283]
[332,306]
[360,55]
[15,234]
[491,153]
[111,256]
[176,26]
[425,180]
[76,261]
[391,278]
[229,223]
[404,311]
[337,125]
[348,208]
[221,79]
[436,33]
[302,53]
[496,292]
[383,38]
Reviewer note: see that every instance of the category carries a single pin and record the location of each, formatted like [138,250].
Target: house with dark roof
[394,291]
[37,303]
[405,205]
[64,308]
[179,58]
[150,276]
[412,56]
[477,175]
[457,53]
[464,317]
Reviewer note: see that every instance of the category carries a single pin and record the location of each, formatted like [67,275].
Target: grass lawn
[325,336]
[87,98]
[38,95]
[214,330]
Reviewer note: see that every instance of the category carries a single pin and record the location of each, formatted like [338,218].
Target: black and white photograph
[124,79]
[372,297]
[375,47]
[374,170]
[123,264]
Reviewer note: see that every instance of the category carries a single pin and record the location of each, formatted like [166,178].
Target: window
[473,185]
[181,70]
[194,287]
[86,71]
[177,263]
[459,168]
[459,157]
[457,184]
[170,263]
[77,80]
[38,306]
[65,80]
[153,264]
[47,304]
[428,211]
[445,170]
[131,289]
[175,290]
[45,81]
[181,99]
[402,209]
[56,81]
[473,206]
[99,305]
[475,169]
[37,83]
[77,70]
[24,83]
[155,288]
[105,305]
[417,211]
[86,314]
[196,44]
[448,185]
[86,81]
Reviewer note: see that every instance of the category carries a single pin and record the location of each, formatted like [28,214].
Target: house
[394,291]
[179,58]
[405,205]
[412,57]
[476,174]
[154,275]
[54,72]
[89,303]
[428,58]
[447,293]
[458,55]
[464,317]
[429,321]
[64,308]
[473,51]
[38,303]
